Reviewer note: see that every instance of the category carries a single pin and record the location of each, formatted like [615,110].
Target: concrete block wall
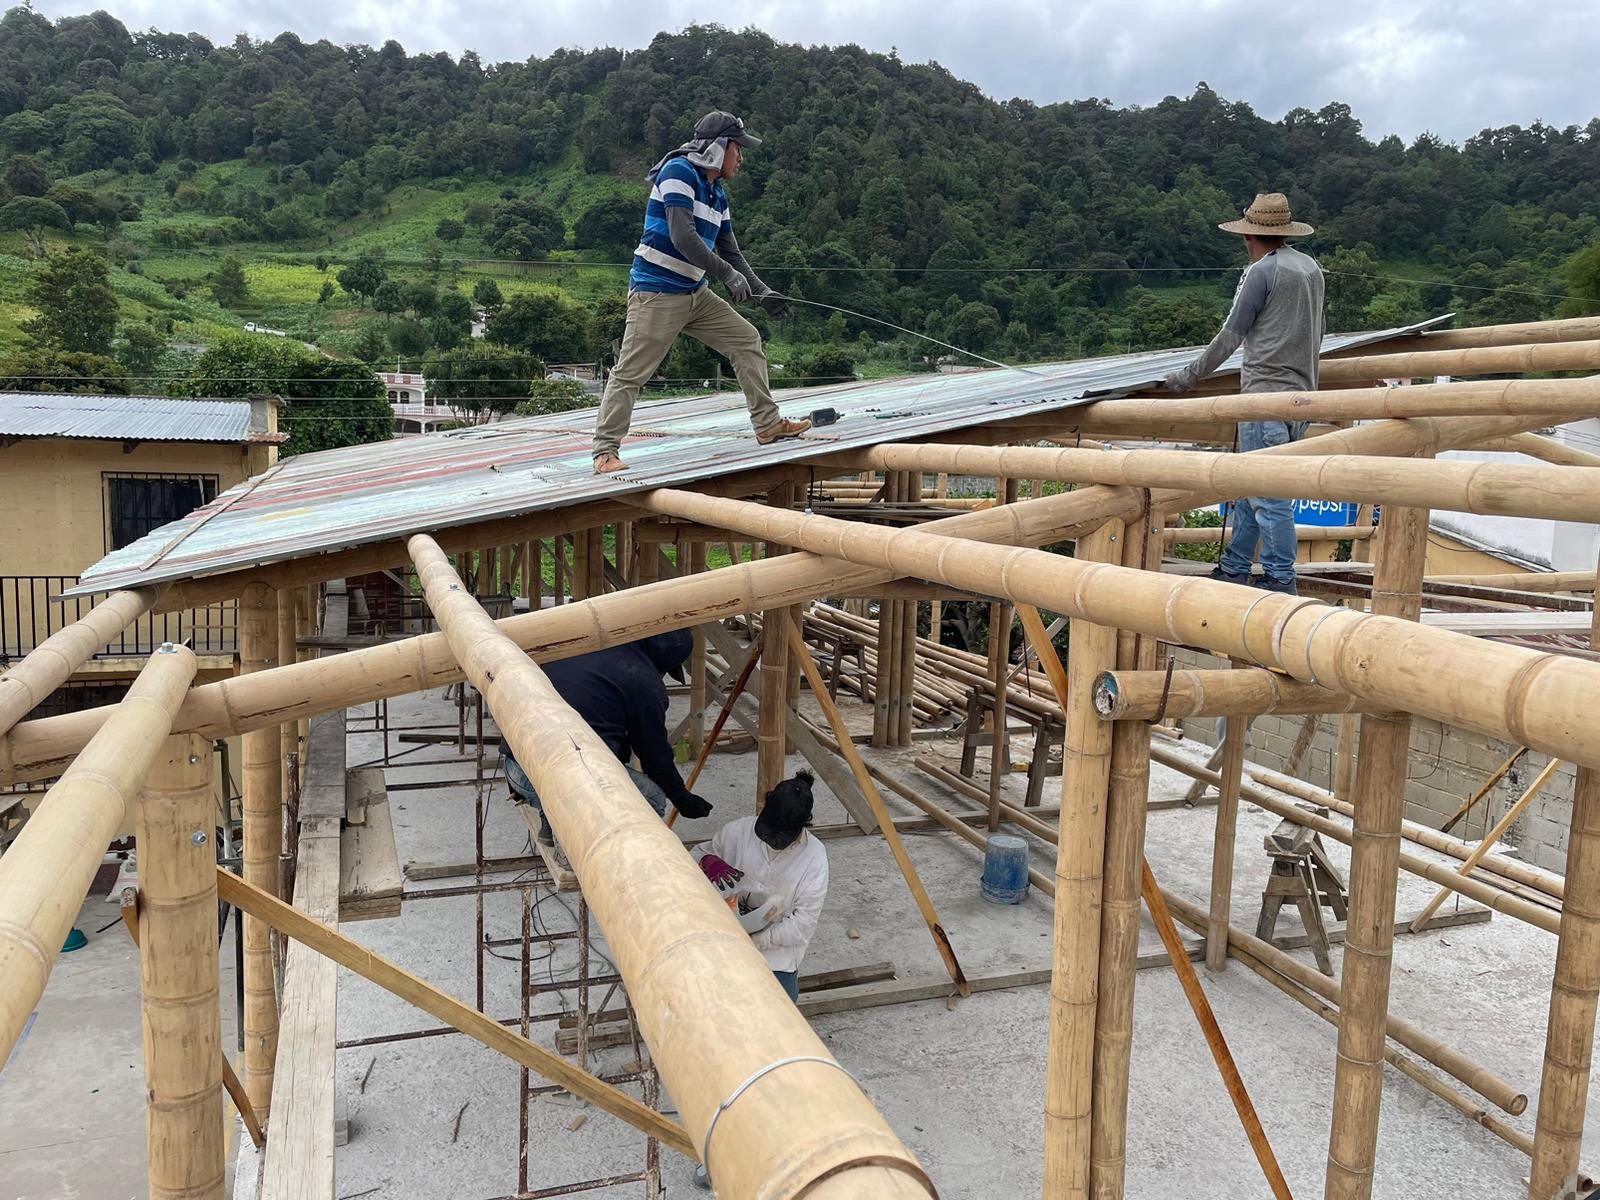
[1447,766]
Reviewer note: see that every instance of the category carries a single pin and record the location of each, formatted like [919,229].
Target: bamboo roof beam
[778,1132]
[1525,581]
[40,748]
[1543,701]
[1243,691]
[1498,488]
[1522,333]
[51,663]
[1555,399]
[48,870]
[1483,360]
[1547,449]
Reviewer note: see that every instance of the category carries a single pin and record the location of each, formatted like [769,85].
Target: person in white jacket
[780,872]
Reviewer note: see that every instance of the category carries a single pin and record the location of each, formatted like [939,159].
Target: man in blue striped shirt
[688,239]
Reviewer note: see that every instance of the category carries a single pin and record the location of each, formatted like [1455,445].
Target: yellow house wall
[1446,556]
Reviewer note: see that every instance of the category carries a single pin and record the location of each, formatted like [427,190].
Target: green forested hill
[1010,228]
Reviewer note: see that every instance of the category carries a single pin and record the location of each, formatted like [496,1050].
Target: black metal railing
[31,609]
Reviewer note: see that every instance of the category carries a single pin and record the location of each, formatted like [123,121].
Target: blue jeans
[1256,519]
[791,983]
[523,787]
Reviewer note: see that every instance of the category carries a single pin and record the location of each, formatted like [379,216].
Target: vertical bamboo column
[263,847]
[697,660]
[1574,995]
[595,563]
[289,731]
[178,973]
[999,669]
[533,574]
[1344,753]
[771,734]
[911,493]
[1080,854]
[1127,801]
[1234,740]
[305,625]
[1380,782]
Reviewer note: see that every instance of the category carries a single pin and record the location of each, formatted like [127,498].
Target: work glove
[719,870]
[776,304]
[694,807]
[738,286]
[763,911]
[1178,381]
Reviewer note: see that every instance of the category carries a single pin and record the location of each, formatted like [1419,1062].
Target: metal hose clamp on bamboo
[705,1143]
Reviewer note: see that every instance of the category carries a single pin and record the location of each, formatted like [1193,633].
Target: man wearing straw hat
[1277,318]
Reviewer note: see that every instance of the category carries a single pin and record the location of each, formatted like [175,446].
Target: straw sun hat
[1268,216]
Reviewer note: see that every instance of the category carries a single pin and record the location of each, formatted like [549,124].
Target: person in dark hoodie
[620,693]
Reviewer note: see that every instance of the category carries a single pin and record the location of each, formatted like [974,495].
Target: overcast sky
[1449,66]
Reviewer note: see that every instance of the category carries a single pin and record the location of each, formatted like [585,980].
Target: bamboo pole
[1520,333]
[1141,695]
[48,869]
[1482,360]
[1427,1047]
[1213,1033]
[858,768]
[51,663]
[1495,488]
[669,934]
[1510,868]
[1574,995]
[696,563]
[1489,840]
[41,747]
[174,822]
[1230,772]
[773,682]
[1074,986]
[1548,449]
[1380,781]
[1204,536]
[1000,617]
[1372,656]
[1526,581]
[288,652]
[463,1017]
[263,849]
[710,742]
[1483,891]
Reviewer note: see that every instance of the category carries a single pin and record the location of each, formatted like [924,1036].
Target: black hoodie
[620,694]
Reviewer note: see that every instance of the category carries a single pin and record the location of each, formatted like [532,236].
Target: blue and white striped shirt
[657,265]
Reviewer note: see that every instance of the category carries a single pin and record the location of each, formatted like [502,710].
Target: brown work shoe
[608,464]
[781,430]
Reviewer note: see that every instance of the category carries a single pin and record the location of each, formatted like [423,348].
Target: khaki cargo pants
[655,319]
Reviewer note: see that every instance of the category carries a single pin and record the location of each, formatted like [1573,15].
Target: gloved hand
[738,286]
[775,303]
[694,807]
[763,911]
[719,870]
[1178,381]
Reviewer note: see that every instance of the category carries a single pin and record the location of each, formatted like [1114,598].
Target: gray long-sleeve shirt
[1277,317]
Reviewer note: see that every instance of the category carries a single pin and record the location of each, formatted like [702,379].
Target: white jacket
[798,876]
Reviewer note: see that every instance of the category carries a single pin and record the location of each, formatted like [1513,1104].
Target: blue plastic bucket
[1005,869]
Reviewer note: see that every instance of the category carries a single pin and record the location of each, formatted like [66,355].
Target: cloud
[1452,67]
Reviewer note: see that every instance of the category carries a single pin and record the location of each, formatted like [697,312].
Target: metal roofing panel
[124,418]
[358,495]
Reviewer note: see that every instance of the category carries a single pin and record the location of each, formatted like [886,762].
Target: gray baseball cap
[719,124]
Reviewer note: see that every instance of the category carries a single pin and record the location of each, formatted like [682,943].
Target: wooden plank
[1509,624]
[299,1155]
[370,880]
[1336,933]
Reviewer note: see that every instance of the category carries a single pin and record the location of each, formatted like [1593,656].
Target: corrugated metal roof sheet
[358,495]
[124,418]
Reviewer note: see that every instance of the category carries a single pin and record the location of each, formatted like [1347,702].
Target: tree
[141,348]
[487,294]
[409,338]
[49,369]
[329,402]
[547,396]
[448,230]
[77,310]
[229,287]
[422,298]
[479,213]
[611,224]
[541,322]
[321,262]
[606,324]
[325,293]
[531,229]
[31,216]
[1583,284]
[363,277]
[479,379]
[25,177]
[390,298]
[1352,282]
